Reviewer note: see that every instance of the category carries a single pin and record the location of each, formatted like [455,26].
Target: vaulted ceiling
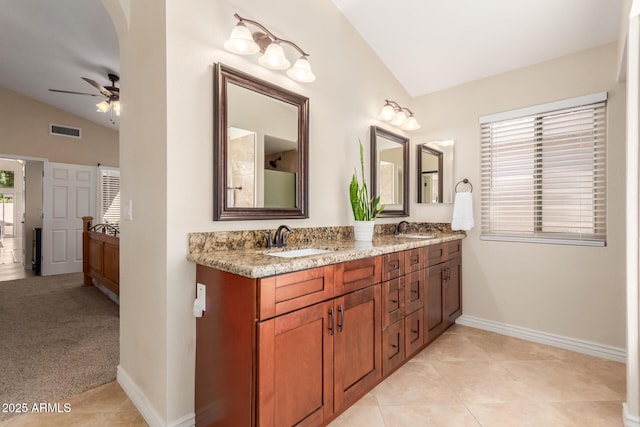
[428,45]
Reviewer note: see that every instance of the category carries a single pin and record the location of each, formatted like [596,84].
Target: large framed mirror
[435,172]
[390,171]
[261,145]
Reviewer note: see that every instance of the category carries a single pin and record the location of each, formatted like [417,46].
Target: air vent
[64,131]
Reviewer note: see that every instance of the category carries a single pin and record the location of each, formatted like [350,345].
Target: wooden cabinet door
[434,316]
[295,368]
[414,332]
[414,290]
[357,345]
[393,347]
[452,291]
[357,274]
[392,265]
[393,301]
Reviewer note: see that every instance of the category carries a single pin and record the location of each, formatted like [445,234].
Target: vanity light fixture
[243,42]
[394,114]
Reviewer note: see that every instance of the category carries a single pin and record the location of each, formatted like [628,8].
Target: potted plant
[365,208]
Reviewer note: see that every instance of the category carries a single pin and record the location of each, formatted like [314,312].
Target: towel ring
[464,181]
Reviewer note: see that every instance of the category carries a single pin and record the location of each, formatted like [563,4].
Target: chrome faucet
[280,238]
[398,229]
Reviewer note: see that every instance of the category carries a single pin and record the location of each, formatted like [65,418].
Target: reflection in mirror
[261,141]
[389,171]
[435,172]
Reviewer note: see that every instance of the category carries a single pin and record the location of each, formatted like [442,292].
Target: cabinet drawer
[392,265]
[415,259]
[414,332]
[393,348]
[288,292]
[454,249]
[436,254]
[357,274]
[393,301]
[414,290]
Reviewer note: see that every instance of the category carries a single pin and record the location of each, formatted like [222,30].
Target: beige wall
[578,292]
[166,161]
[166,157]
[25,132]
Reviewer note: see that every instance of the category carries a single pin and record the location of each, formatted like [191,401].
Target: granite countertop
[254,262]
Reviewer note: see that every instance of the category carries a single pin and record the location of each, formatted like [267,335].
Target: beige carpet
[57,338]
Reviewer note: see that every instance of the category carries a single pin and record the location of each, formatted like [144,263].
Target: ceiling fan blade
[105,92]
[75,93]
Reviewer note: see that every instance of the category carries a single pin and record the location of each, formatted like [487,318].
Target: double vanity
[294,336]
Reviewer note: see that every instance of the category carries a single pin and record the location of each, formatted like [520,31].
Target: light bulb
[399,119]
[274,58]
[387,113]
[301,71]
[103,106]
[241,41]
[411,124]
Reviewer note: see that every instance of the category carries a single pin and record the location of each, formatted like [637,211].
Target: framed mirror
[435,172]
[390,171]
[261,145]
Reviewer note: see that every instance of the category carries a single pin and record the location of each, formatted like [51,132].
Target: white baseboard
[629,420]
[616,354]
[145,407]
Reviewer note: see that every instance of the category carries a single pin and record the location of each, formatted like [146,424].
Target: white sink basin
[294,253]
[417,236]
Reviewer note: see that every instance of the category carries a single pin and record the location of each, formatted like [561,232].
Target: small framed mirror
[261,143]
[435,172]
[390,171]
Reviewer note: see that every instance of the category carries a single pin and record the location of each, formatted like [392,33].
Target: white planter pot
[363,230]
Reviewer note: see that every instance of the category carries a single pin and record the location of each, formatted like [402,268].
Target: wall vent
[67,131]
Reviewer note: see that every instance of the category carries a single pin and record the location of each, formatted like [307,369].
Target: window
[543,173]
[109,196]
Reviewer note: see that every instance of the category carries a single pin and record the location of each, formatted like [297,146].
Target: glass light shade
[399,119]
[241,41]
[274,58]
[103,106]
[387,113]
[411,124]
[116,108]
[301,71]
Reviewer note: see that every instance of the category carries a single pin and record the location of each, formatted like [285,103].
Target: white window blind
[543,173]
[109,199]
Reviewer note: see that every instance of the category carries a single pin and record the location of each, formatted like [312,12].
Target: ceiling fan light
[103,106]
[116,107]
[274,58]
[241,41]
[411,124]
[301,71]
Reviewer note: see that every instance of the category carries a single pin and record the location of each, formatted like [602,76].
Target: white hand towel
[462,212]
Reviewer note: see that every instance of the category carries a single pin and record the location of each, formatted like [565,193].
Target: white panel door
[69,193]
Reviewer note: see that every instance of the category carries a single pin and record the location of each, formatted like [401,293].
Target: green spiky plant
[364,208]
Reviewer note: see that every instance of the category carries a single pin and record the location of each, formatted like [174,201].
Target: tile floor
[11,267]
[466,378]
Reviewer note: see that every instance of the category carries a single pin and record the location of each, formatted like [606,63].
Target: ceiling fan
[111,93]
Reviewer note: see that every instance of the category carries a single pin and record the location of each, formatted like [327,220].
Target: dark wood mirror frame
[404,142]
[224,75]
[424,149]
